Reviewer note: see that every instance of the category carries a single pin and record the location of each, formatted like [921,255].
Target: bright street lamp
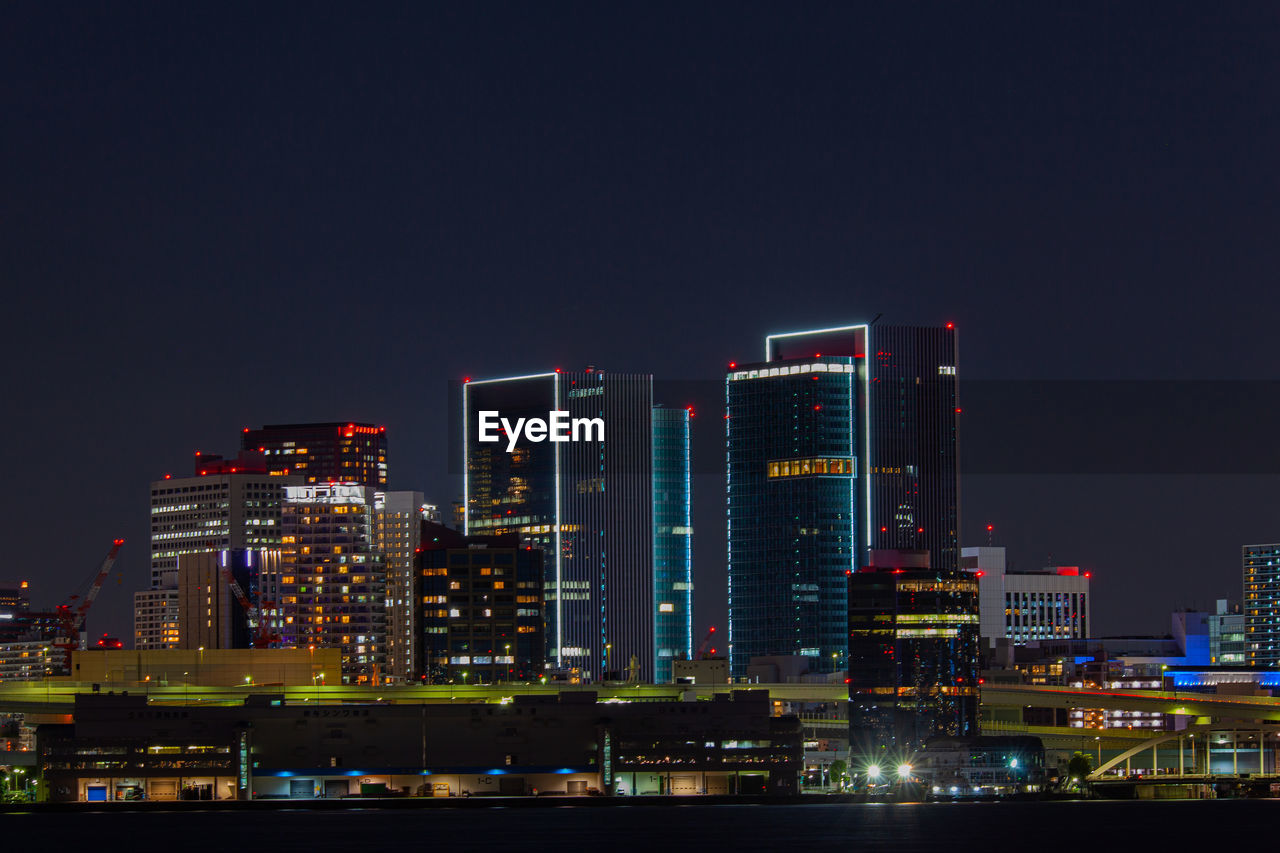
[873,772]
[904,771]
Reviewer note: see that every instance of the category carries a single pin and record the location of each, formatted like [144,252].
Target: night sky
[219,216]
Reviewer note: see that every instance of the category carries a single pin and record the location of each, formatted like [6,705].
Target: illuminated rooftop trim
[547,375]
[768,340]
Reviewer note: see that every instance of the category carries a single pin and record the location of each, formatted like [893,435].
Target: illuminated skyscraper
[595,511]
[398,518]
[324,453]
[332,585]
[842,440]
[672,540]
[227,504]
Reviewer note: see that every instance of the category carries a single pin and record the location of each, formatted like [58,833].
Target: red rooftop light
[732,365]
[951,325]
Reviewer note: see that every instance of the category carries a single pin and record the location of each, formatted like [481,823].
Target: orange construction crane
[76,610]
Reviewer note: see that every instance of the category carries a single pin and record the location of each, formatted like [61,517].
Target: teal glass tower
[672,540]
[841,441]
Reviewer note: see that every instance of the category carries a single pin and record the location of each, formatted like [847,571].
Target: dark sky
[217,216]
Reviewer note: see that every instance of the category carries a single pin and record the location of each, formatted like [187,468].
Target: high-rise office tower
[913,654]
[589,505]
[481,603]
[1262,604]
[397,529]
[332,585]
[323,453]
[227,504]
[840,441]
[672,540]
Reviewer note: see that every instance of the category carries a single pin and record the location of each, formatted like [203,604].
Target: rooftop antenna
[873,319]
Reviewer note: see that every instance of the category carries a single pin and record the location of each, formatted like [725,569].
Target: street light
[873,772]
[904,771]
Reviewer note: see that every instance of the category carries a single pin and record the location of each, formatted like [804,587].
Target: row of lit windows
[809,466]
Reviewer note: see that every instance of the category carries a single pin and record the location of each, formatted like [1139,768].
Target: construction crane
[702,652]
[76,611]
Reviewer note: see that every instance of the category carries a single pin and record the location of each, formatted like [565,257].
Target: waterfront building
[913,654]
[567,744]
[841,441]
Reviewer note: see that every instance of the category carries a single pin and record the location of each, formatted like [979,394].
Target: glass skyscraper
[672,538]
[591,507]
[842,440]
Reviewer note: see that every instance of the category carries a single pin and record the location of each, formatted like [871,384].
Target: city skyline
[218,231]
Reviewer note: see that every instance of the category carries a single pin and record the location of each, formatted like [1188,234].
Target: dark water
[1022,826]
